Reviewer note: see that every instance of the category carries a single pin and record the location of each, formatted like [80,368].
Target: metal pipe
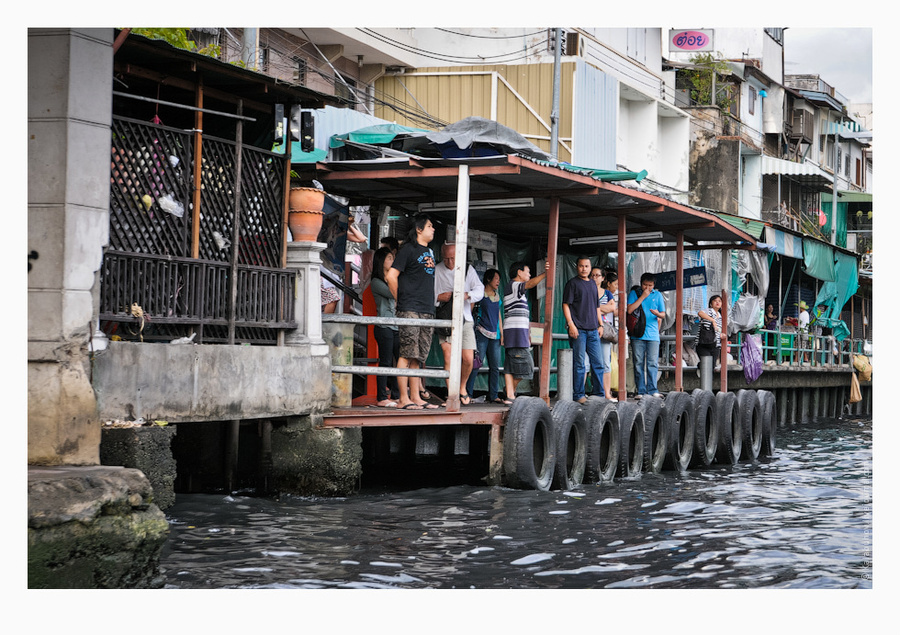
[392,371]
[182,106]
[343,318]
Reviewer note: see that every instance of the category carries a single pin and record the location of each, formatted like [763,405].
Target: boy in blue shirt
[646,347]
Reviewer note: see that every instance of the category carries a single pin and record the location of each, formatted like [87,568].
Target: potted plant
[305,205]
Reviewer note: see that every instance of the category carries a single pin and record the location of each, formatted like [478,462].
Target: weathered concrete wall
[144,448]
[187,382]
[307,460]
[715,169]
[93,528]
[69,115]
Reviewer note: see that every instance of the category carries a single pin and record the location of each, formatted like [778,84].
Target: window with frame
[752,105]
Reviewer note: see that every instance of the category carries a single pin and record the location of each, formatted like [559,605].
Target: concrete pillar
[826,402]
[564,388]
[816,402]
[304,258]
[804,405]
[782,406]
[792,400]
[70,74]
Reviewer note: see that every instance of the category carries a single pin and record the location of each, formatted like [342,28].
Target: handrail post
[459,278]
[547,346]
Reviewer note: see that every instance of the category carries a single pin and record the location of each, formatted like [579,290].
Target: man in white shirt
[473,292]
[803,329]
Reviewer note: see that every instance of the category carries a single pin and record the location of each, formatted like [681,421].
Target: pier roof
[512,195]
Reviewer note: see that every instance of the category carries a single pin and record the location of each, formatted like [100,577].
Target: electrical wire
[491,37]
[458,59]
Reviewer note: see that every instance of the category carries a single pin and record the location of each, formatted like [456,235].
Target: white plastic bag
[170,205]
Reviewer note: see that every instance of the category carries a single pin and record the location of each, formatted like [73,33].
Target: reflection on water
[800,520]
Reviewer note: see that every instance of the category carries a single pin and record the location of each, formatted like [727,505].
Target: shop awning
[785,244]
[804,173]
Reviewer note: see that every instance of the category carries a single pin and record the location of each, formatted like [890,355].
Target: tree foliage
[707,74]
[179,38]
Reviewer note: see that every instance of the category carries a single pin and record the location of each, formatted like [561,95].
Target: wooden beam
[547,346]
[679,309]
[623,303]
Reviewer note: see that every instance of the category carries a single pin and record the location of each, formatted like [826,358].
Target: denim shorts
[519,363]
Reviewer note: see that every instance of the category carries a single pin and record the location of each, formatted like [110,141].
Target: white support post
[459,278]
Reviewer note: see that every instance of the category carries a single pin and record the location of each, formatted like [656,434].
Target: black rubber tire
[631,439]
[529,455]
[751,424]
[769,415]
[730,432]
[602,442]
[706,429]
[656,442]
[570,433]
[679,431]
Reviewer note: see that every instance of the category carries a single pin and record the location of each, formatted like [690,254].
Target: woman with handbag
[610,336]
[710,331]
[488,326]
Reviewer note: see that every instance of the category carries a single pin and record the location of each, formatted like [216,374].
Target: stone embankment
[93,527]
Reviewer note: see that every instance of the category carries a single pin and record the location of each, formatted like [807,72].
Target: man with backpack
[645,342]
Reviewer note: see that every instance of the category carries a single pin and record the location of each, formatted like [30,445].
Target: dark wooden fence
[151,286]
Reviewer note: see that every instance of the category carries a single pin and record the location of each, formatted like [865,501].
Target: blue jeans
[489,352]
[646,365]
[588,341]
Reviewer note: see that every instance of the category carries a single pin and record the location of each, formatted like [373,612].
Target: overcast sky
[841,57]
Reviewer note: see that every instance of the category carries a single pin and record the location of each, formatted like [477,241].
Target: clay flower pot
[305,224]
[306,199]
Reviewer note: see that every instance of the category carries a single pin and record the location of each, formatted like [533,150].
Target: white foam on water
[608,501]
[379,563]
[561,511]
[533,558]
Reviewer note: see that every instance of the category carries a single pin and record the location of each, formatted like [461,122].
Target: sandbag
[855,393]
[861,363]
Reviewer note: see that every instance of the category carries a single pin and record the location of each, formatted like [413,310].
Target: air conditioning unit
[574,44]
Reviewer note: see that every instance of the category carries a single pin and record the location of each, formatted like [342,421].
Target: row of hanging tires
[602,440]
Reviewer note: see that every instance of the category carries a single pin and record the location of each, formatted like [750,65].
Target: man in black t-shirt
[581,306]
[411,281]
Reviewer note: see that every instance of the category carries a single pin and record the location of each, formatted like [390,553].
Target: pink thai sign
[691,40]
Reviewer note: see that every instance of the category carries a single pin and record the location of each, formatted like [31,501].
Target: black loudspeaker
[307,132]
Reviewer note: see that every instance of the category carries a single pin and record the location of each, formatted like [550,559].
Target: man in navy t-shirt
[411,281]
[581,306]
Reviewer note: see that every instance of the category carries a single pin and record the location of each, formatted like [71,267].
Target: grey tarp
[466,132]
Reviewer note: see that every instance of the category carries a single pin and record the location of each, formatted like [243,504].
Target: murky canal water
[802,519]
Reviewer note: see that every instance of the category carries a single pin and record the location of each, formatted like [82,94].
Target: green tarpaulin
[818,260]
[374,135]
[835,294]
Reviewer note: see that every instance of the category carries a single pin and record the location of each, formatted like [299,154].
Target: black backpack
[636,322]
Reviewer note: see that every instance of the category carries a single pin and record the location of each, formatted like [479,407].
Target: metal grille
[185,291]
[148,263]
[150,165]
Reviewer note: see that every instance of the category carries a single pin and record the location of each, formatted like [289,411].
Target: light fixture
[593,240]
[492,203]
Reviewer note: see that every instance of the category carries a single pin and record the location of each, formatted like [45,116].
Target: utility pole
[554,112]
[834,192]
